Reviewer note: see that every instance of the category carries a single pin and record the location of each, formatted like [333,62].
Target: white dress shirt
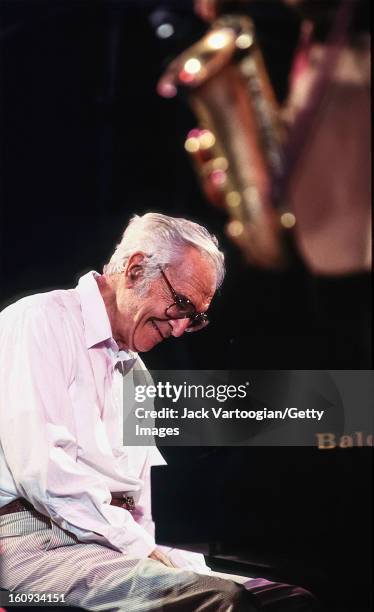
[60,420]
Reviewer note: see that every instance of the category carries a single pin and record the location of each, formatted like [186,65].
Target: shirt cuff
[136,542]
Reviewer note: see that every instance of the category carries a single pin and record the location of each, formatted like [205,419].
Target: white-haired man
[75,503]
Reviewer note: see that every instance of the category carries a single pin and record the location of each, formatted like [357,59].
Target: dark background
[87,142]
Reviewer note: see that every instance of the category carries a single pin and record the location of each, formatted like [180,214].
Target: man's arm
[38,437]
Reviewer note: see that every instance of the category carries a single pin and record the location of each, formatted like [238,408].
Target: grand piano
[292,514]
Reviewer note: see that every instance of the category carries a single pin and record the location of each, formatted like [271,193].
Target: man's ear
[134,270]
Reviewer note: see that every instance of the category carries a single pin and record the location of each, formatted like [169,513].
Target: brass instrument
[237,147]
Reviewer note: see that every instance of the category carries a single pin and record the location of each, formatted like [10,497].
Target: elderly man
[75,503]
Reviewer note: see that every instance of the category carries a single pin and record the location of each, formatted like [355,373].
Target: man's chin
[144,347]
[145,340]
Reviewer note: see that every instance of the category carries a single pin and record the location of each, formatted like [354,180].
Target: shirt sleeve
[38,433]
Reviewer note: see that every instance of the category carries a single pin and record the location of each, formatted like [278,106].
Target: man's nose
[179,326]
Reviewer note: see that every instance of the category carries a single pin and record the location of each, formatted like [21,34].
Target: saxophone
[237,148]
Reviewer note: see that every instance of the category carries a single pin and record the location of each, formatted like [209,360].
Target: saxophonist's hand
[206,9]
[209,10]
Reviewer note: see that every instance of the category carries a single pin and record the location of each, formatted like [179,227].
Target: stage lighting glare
[235,228]
[244,41]
[207,139]
[165,30]
[186,77]
[192,144]
[167,90]
[233,199]
[220,163]
[218,177]
[288,220]
[218,40]
[192,66]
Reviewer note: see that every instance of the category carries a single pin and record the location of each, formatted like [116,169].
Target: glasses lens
[180,310]
[197,325]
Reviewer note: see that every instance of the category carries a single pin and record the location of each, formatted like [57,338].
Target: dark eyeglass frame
[198,319]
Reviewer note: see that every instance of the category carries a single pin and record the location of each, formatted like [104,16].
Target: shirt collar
[97,326]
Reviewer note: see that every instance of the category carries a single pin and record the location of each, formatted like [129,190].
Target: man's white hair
[163,240]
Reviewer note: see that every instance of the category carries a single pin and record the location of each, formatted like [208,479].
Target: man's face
[141,322]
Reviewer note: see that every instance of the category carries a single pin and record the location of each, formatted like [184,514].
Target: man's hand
[157,555]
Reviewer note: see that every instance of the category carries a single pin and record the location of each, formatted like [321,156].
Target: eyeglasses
[183,308]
